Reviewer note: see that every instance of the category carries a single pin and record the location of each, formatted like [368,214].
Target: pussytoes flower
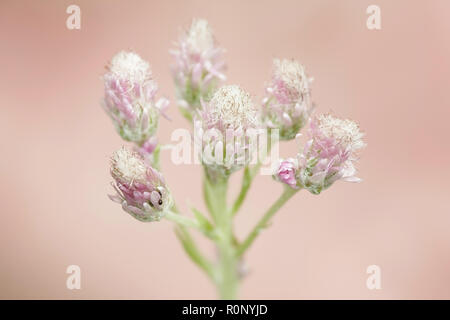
[287,172]
[130,97]
[330,152]
[140,188]
[198,68]
[223,128]
[287,104]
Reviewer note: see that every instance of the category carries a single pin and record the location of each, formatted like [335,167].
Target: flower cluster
[198,68]
[227,130]
[327,156]
[223,128]
[130,98]
[287,104]
[140,188]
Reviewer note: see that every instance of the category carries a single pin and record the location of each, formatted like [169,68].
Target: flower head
[287,172]
[230,107]
[224,125]
[130,97]
[329,153]
[198,68]
[199,37]
[287,104]
[140,189]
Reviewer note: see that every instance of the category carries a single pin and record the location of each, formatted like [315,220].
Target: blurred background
[57,140]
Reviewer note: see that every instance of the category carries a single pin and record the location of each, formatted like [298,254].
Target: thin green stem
[246,183]
[248,177]
[227,281]
[215,192]
[182,220]
[285,196]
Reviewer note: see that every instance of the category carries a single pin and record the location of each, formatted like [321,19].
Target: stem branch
[285,196]
[182,220]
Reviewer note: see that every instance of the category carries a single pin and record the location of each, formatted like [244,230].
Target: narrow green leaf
[192,251]
[202,220]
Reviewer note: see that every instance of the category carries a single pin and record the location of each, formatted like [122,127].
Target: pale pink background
[56,142]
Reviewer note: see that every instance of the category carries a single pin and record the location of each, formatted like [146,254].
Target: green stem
[246,183]
[156,155]
[227,278]
[182,220]
[285,196]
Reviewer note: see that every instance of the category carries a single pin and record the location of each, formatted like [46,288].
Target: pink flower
[198,68]
[222,128]
[130,97]
[330,153]
[287,172]
[287,105]
[140,189]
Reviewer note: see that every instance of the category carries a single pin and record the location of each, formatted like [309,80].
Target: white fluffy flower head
[130,66]
[200,36]
[292,74]
[344,131]
[233,107]
[128,166]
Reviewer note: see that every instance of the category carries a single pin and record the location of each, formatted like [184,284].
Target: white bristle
[345,131]
[233,106]
[292,74]
[128,165]
[200,36]
[130,66]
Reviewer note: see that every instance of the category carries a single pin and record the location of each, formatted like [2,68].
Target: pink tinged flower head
[140,189]
[330,152]
[287,172]
[130,97]
[198,67]
[287,105]
[224,125]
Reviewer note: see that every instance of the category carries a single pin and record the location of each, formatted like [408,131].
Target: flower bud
[198,67]
[287,105]
[287,172]
[140,189]
[130,97]
[224,127]
[329,153]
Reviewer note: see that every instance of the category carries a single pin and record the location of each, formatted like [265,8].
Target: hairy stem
[227,277]
[182,220]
